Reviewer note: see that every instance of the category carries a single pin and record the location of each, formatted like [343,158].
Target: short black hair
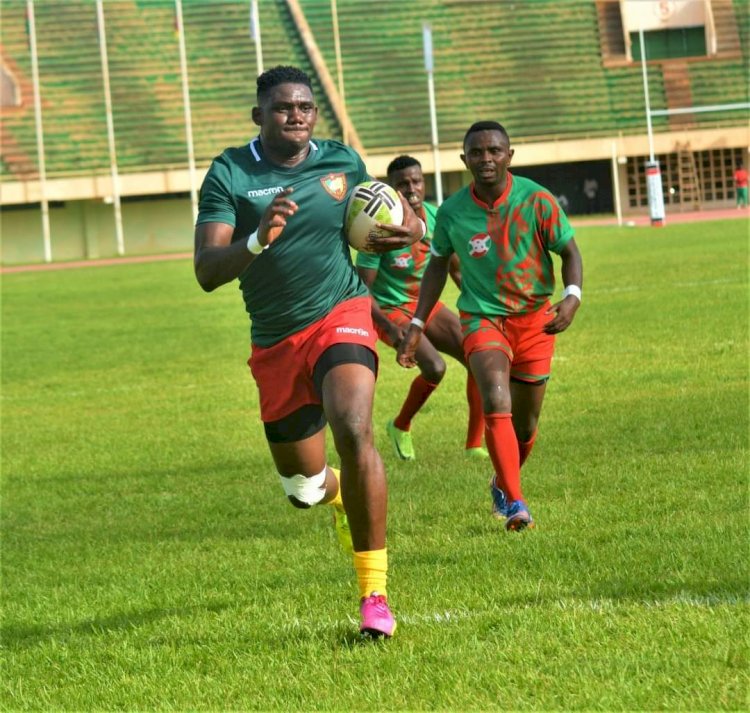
[281,74]
[400,163]
[486,126]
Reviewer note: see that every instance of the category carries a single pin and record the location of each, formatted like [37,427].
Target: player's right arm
[217,259]
[430,289]
[220,259]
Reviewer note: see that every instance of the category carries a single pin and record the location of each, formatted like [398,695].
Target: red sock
[503,447]
[419,392]
[524,447]
[475,430]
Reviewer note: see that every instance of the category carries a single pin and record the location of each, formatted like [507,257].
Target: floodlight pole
[616,183]
[429,68]
[110,127]
[187,110]
[46,233]
[255,33]
[653,170]
[644,72]
[339,63]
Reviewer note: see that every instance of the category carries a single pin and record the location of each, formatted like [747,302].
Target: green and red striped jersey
[400,271]
[504,249]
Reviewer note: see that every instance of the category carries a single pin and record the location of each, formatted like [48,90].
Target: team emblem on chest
[335,185]
[479,245]
[402,261]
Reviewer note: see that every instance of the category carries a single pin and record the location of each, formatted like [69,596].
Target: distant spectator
[740,184]
[591,192]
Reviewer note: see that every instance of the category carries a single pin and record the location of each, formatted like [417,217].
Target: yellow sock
[372,571]
[337,502]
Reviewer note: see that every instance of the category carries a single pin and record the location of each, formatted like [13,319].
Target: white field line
[440,618]
[667,285]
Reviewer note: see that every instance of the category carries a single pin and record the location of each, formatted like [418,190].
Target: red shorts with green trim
[401,315]
[520,336]
[284,371]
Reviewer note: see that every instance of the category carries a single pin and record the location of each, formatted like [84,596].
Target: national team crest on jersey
[402,261]
[335,185]
[479,245]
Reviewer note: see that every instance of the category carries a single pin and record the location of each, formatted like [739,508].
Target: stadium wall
[86,229]
[158,223]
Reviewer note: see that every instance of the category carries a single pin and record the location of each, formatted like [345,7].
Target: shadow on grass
[20,636]
[159,505]
[353,639]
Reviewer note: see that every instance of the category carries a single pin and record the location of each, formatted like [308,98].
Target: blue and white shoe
[518,517]
[499,501]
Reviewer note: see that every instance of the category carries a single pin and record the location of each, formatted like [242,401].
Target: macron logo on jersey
[265,192]
[353,330]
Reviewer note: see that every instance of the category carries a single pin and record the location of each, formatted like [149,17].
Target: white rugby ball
[371,202]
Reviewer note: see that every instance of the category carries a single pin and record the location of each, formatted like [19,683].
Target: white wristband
[574,290]
[253,245]
[417,322]
[424,228]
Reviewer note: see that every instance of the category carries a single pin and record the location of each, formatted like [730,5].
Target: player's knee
[525,432]
[496,401]
[352,433]
[433,370]
[304,491]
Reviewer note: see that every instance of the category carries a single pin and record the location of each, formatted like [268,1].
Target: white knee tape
[309,490]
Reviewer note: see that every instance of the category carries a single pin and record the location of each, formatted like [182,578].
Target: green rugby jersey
[308,270]
[504,249]
[400,271]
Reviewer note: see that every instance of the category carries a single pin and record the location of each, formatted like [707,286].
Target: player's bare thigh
[348,391]
[304,457]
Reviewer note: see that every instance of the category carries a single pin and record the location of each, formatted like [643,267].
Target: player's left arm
[400,236]
[572,273]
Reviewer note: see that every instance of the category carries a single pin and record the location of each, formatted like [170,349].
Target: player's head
[280,74]
[487,153]
[286,111]
[478,126]
[405,175]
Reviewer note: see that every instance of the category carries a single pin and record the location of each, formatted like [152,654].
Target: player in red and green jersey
[271,214]
[503,229]
[393,279]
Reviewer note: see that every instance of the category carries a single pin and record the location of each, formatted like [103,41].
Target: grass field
[151,562]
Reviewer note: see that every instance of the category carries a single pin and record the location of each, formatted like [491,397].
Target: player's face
[286,117]
[487,154]
[410,182]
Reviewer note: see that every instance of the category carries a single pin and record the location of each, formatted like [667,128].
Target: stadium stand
[533,65]
[145,83]
[559,75]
